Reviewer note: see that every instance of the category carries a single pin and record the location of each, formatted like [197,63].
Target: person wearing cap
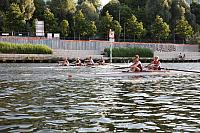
[155,64]
[137,65]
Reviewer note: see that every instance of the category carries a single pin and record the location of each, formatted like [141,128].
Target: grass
[10,48]
[129,52]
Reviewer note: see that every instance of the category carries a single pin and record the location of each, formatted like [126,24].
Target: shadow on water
[43,98]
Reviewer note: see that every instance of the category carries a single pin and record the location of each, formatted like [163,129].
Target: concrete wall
[175,55]
[75,48]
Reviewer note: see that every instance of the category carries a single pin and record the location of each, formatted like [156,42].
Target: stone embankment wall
[83,49]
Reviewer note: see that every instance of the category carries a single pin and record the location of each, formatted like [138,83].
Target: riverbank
[46,58]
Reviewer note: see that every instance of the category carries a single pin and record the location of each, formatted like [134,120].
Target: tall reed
[10,48]
[129,52]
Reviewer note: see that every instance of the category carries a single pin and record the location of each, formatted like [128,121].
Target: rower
[78,62]
[65,62]
[89,62]
[137,65]
[155,64]
[101,61]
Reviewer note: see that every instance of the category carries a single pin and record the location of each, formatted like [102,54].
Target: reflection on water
[43,98]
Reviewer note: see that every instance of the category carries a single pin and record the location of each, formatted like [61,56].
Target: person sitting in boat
[155,64]
[78,62]
[101,61]
[137,65]
[89,62]
[65,62]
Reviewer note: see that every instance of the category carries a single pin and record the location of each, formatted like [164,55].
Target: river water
[44,98]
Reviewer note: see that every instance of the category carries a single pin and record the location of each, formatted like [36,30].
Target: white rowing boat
[124,74]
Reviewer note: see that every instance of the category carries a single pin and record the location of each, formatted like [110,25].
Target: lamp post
[74,30]
[124,33]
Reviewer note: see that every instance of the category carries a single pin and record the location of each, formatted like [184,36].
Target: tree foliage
[4,5]
[83,27]
[96,3]
[50,21]
[14,19]
[113,8]
[39,9]
[195,9]
[160,29]
[64,28]
[105,24]
[27,8]
[63,8]
[158,7]
[20,15]
[134,28]
[89,11]
[183,29]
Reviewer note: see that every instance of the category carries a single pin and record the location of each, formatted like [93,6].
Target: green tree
[183,29]
[134,28]
[63,8]
[121,13]
[14,19]
[33,27]
[160,29]
[4,5]
[105,24]
[89,11]
[134,4]
[50,21]
[64,28]
[79,20]
[113,8]
[116,27]
[96,3]
[90,28]
[180,9]
[2,16]
[83,27]
[195,9]
[39,9]
[27,8]
[158,7]
[137,7]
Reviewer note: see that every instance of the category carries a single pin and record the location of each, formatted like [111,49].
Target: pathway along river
[43,98]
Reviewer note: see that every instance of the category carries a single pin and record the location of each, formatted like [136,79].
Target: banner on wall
[39,26]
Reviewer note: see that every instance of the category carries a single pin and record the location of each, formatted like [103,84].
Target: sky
[104,2]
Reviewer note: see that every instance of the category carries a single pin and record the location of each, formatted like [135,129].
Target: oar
[121,67]
[181,70]
[128,67]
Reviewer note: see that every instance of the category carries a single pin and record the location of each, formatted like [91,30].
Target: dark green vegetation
[10,48]
[129,52]
[132,20]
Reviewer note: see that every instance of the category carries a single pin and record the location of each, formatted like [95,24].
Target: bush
[129,52]
[10,48]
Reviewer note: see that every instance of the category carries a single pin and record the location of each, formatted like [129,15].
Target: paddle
[181,70]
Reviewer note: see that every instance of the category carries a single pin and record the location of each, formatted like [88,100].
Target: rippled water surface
[45,98]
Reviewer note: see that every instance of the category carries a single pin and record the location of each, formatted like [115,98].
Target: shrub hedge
[10,48]
[129,52]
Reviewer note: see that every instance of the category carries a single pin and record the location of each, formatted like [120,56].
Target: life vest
[156,63]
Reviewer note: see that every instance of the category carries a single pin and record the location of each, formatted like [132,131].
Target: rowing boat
[125,74]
